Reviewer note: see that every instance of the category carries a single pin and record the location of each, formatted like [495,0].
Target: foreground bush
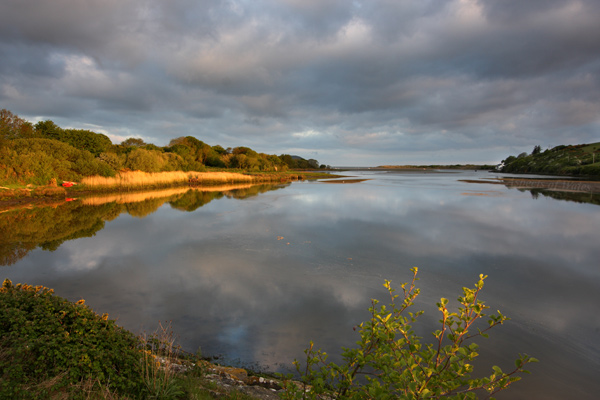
[390,361]
[49,346]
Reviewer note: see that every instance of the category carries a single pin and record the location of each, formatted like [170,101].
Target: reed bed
[219,177]
[136,180]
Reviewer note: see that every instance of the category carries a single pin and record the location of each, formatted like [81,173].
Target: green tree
[288,160]
[197,151]
[114,160]
[313,163]
[219,150]
[82,139]
[133,142]
[13,127]
[144,160]
[49,130]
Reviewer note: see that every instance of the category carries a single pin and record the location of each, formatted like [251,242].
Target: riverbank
[76,363]
[134,181]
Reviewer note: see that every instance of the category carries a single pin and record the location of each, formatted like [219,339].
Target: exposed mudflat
[345,181]
[550,184]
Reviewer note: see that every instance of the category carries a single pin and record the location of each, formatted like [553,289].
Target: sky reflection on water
[256,279]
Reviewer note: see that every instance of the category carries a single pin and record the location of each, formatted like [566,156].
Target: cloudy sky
[346,82]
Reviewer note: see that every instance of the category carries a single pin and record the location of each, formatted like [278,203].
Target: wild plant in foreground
[391,362]
[158,354]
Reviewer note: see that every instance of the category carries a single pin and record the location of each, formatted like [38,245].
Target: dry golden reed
[139,179]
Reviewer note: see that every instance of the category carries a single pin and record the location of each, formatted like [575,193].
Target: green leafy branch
[390,361]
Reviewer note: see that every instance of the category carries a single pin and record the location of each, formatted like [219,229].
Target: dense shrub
[38,161]
[50,345]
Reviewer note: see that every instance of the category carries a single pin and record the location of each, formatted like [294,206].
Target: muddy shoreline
[548,184]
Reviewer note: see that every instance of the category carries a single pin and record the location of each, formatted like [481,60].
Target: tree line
[576,160]
[37,153]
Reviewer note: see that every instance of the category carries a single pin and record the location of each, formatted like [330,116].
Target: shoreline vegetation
[138,179]
[75,353]
[38,158]
[42,163]
[127,181]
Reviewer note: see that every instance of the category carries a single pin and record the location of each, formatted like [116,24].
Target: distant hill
[576,160]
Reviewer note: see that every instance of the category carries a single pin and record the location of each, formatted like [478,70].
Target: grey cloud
[68,23]
[515,11]
[385,76]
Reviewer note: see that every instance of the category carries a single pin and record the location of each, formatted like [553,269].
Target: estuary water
[252,274]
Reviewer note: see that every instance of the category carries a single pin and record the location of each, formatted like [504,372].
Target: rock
[230,378]
[264,382]
[259,392]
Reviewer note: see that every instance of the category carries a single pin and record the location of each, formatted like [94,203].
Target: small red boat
[68,184]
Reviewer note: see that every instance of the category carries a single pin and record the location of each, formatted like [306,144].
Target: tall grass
[135,179]
[138,179]
[158,373]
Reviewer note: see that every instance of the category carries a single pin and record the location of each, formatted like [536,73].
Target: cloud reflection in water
[230,287]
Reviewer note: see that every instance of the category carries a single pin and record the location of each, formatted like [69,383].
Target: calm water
[255,274]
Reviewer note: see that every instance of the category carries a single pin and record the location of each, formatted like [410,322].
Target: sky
[349,83]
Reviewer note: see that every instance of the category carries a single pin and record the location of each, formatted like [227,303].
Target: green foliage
[37,161]
[89,153]
[133,142]
[144,160]
[390,361]
[561,160]
[295,162]
[288,160]
[48,130]
[93,142]
[114,160]
[50,345]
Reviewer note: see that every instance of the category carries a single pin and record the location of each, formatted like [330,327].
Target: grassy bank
[56,349]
